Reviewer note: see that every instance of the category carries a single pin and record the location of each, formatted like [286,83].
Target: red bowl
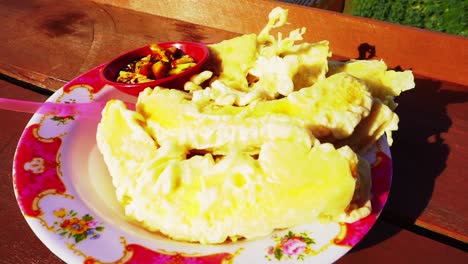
[198,51]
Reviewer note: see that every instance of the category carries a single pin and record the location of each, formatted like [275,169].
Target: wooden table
[46,43]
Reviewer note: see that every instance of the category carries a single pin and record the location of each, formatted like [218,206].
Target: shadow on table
[419,156]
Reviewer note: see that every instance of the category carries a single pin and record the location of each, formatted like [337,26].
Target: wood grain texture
[431,54]
[430,159]
[400,246]
[50,42]
[58,40]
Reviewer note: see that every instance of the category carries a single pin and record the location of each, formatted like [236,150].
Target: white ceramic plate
[65,194]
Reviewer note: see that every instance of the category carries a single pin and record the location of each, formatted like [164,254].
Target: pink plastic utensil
[88,110]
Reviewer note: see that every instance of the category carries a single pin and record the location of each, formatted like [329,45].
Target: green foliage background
[448,16]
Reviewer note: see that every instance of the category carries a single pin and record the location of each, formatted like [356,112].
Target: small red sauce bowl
[198,51]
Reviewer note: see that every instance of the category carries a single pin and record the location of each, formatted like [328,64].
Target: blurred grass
[447,16]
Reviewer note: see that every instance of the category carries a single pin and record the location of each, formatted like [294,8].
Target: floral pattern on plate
[78,228]
[291,246]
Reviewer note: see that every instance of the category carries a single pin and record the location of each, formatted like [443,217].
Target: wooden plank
[430,169]
[27,75]
[50,42]
[386,243]
[431,54]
